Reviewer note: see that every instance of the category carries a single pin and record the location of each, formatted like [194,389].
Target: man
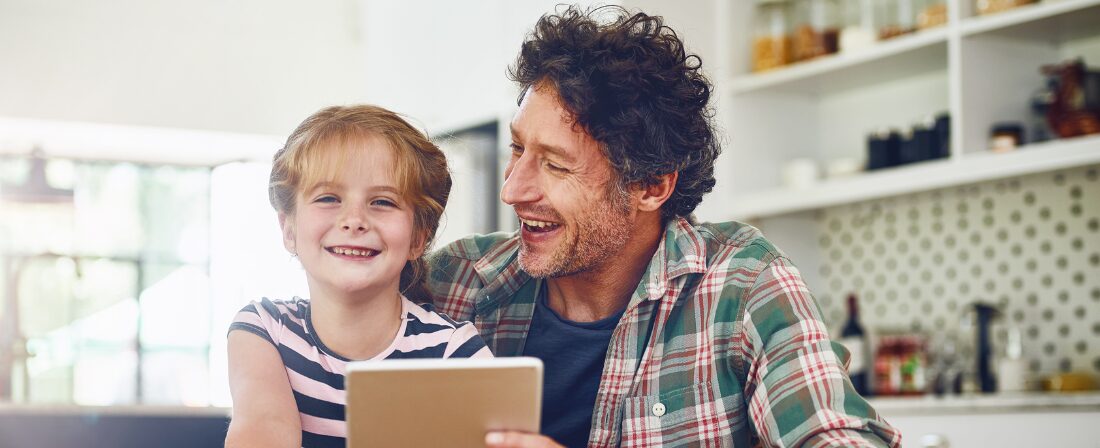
[653,330]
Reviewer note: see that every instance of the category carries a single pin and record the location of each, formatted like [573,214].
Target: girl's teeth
[352,252]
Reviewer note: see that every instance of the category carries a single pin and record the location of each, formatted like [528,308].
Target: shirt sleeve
[465,342]
[259,318]
[797,388]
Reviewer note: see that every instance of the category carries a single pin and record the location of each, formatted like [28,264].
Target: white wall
[443,62]
[254,66]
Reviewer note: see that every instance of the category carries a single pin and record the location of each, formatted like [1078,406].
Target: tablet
[440,402]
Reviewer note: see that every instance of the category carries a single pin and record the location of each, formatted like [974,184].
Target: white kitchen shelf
[1055,19]
[925,176]
[915,53]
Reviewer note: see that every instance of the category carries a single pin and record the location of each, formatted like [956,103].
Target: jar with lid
[932,13]
[896,17]
[860,29]
[817,28]
[771,40]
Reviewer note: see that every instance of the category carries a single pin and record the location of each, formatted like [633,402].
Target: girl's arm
[264,411]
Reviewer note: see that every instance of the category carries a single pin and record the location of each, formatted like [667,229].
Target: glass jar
[993,6]
[771,40]
[860,30]
[932,14]
[817,28]
[896,17]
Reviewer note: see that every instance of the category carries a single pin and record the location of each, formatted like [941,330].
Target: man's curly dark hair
[632,86]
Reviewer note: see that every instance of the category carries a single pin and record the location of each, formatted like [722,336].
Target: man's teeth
[539,224]
[353,252]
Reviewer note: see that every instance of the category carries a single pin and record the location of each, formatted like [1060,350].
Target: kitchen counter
[112,426]
[125,410]
[989,403]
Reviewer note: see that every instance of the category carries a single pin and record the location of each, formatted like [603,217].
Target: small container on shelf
[883,149]
[896,17]
[771,41]
[1006,136]
[860,29]
[933,13]
[817,28]
[994,6]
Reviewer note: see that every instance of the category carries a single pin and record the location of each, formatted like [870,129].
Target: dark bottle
[854,339]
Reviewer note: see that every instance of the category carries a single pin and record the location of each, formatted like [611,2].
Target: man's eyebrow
[552,149]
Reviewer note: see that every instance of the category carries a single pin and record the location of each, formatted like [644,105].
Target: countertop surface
[928,404]
[120,410]
[990,403]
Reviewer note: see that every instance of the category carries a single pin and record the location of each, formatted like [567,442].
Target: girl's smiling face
[354,232]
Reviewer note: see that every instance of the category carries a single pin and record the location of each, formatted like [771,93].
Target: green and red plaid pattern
[721,345]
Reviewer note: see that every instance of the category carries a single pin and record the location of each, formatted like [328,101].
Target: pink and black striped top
[316,373]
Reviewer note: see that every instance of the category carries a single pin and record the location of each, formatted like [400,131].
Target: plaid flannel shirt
[720,345]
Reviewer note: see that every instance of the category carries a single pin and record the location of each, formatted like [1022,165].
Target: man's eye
[556,168]
[516,149]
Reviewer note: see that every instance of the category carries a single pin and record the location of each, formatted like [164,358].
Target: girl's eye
[327,199]
[384,203]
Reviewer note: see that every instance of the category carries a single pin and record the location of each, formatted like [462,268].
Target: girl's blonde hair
[321,145]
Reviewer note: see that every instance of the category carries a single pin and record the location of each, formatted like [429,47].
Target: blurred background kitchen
[932,166]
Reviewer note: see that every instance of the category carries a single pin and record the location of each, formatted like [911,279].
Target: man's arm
[797,390]
[264,411]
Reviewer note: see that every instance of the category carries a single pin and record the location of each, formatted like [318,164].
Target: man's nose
[520,182]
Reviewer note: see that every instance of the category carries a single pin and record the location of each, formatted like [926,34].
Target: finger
[512,439]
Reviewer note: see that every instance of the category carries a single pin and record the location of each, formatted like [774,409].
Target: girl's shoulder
[294,308]
[431,334]
[425,313]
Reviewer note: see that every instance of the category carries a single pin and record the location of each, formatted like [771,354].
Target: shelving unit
[919,52]
[970,168]
[980,69]
[1077,18]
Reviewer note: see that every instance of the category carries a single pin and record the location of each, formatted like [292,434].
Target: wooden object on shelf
[1070,114]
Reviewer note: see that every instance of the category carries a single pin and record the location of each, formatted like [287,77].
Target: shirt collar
[681,251]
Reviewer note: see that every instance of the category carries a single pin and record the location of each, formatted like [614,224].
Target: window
[107,283]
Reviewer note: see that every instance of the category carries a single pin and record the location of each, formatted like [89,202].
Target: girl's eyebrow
[387,188]
[322,185]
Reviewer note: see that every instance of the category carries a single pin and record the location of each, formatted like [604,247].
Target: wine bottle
[854,339]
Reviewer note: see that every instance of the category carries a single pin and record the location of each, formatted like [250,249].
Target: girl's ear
[417,248]
[287,225]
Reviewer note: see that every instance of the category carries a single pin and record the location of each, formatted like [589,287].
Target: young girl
[359,193]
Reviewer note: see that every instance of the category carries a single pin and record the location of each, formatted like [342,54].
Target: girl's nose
[354,220]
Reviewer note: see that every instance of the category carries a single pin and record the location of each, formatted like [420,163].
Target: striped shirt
[316,373]
[721,343]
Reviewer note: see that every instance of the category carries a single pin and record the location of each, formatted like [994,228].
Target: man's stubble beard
[592,239]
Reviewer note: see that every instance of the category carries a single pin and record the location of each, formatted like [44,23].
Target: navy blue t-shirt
[572,354]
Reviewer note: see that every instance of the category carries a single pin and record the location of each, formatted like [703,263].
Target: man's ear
[287,226]
[654,196]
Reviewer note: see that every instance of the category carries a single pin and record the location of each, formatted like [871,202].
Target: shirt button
[659,409]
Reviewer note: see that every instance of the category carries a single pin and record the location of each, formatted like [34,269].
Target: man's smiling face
[572,212]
